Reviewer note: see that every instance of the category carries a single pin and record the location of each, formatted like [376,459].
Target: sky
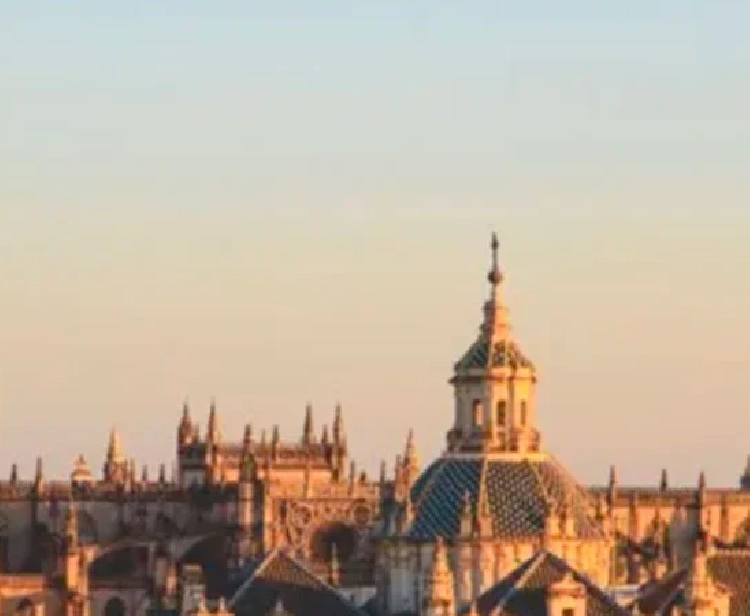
[284,203]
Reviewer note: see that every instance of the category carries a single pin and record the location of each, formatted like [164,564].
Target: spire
[14,473]
[185,431]
[162,474]
[466,523]
[114,448]
[702,481]
[383,473]
[496,322]
[308,436]
[484,512]
[212,435]
[339,436]
[144,474]
[247,437]
[612,476]
[324,438]
[39,473]
[663,483]
[411,461]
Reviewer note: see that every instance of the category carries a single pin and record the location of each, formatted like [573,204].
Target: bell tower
[494,384]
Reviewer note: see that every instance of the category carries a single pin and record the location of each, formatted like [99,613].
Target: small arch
[212,553]
[501,413]
[127,560]
[343,536]
[114,607]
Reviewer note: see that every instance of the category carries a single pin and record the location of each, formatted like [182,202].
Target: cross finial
[495,276]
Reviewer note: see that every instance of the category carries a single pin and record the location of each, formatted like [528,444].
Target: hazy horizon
[281,205]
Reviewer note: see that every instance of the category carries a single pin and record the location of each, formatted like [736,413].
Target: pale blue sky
[277,203]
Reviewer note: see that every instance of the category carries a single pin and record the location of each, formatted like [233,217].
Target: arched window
[523,413]
[477,409]
[501,412]
[114,607]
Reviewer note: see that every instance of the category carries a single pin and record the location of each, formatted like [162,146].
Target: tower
[494,384]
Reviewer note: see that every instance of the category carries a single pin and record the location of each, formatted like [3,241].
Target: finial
[383,472]
[324,438]
[307,429]
[702,481]
[162,474]
[14,473]
[663,483]
[495,276]
[275,438]
[247,437]
[466,522]
[339,437]
[612,476]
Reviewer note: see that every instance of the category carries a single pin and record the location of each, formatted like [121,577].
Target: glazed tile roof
[524,591]
[731,568]
[280,579]
[504,353]
[517,493]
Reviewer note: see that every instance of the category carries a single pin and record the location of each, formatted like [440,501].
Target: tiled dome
[504,353]
[518,492]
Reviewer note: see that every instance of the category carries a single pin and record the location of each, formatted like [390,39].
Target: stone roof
[524,591]
[518,490]
[504,353]
[280,580]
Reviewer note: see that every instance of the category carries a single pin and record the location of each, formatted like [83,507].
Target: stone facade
[433,541]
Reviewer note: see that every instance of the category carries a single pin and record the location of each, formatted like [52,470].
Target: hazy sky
[276,203]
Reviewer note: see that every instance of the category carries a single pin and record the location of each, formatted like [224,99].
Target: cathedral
[496,525]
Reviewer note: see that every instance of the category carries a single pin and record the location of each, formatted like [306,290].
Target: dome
[518,491]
